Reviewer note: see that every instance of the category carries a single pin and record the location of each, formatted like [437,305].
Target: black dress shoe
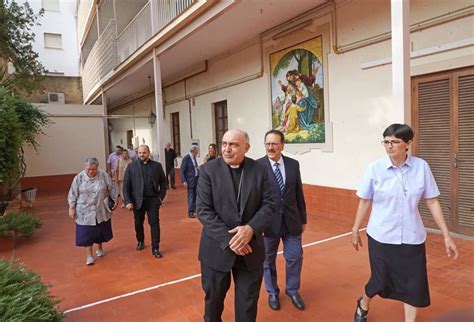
[274,302]
[140,245]
[297,300]
[360,314]
[156,253]
[191,215]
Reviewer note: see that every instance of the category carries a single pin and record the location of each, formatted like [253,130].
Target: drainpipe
[425,24]
[189,110]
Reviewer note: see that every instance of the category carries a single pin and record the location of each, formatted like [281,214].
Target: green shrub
[18,224]
[23,296]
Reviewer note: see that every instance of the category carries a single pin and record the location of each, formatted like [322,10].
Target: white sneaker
[90,260]
[100,253]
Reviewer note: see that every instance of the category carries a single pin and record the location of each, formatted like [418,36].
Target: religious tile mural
[297,92]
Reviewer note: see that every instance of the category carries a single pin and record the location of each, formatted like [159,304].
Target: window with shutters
[175,133]
[50,5]
[220,122]
[53,40]
[443,120]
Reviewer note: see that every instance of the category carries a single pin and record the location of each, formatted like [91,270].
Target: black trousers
[151,207]
[247,289]
[170,175]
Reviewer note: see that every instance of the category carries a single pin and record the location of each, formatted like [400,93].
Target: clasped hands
[239,243]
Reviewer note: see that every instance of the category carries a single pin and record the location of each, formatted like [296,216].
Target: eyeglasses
[392,142]
[271,144]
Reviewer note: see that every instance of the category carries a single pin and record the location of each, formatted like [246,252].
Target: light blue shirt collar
[389,164]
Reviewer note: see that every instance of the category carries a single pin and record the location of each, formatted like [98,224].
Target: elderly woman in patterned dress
[88,201]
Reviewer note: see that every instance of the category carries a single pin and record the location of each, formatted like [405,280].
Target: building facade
[202,67]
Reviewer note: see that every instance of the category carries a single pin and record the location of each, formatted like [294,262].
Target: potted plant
[18,224]
[24,295]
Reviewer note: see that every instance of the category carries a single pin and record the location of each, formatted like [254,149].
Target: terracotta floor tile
[332,279]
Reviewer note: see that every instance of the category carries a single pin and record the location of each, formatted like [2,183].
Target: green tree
[16,37]
[20,123]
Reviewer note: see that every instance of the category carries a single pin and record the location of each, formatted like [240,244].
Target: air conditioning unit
[56,98]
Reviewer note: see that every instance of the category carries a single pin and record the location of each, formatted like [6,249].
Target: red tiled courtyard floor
[333,273]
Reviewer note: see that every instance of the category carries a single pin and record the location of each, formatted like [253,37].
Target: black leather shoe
[140,245]
[191,215]
[360,314]
[274,302]
[156,253]
[297,300]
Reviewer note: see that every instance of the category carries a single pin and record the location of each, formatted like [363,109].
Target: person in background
[171,162]
[112,160]
[189,172]
[88,201]
[131,152]
[289,223]
[392,188]
[120,169]
[212,153]
[235,206]
[144,187]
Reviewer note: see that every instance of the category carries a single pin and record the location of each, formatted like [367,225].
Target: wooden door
[220,122]
[443,120]
[129,138]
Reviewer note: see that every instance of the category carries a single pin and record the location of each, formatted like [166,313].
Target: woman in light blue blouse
[392,187]
[88,201]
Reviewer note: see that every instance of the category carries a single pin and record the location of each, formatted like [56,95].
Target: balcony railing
[167,10]
[111,50]
[101,60]
[135,34]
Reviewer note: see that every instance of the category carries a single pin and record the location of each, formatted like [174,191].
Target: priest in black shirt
[144,187]
[234,205]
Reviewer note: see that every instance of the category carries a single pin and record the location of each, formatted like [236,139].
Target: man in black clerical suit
[144,187]
[288,224]
[234,205]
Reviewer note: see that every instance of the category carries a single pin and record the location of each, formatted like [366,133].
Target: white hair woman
[88,200]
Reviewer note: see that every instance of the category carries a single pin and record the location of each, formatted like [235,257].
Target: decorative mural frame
[298,90]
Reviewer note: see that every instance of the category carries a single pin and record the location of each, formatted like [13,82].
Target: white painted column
[105,121]
[401,82]
[159,109]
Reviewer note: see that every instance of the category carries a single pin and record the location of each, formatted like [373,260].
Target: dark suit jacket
[291,207]
[217,210]
[133,183]
[187,172]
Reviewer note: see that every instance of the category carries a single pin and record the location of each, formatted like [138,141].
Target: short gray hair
[247,138]
[193,148]
[92,161]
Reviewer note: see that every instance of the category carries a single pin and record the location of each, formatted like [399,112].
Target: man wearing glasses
[288,224]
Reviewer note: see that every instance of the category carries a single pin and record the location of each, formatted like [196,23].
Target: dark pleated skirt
[89,235]
[398,272]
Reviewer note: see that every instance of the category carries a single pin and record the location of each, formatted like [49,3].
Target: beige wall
[70,86]
[134,116]
[359,99]
[77,133]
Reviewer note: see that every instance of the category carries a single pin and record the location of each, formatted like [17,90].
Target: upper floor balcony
[113,30]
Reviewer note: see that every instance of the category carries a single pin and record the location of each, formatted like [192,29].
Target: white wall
[359,100]
[77,133]
[65,60]
[134,116]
